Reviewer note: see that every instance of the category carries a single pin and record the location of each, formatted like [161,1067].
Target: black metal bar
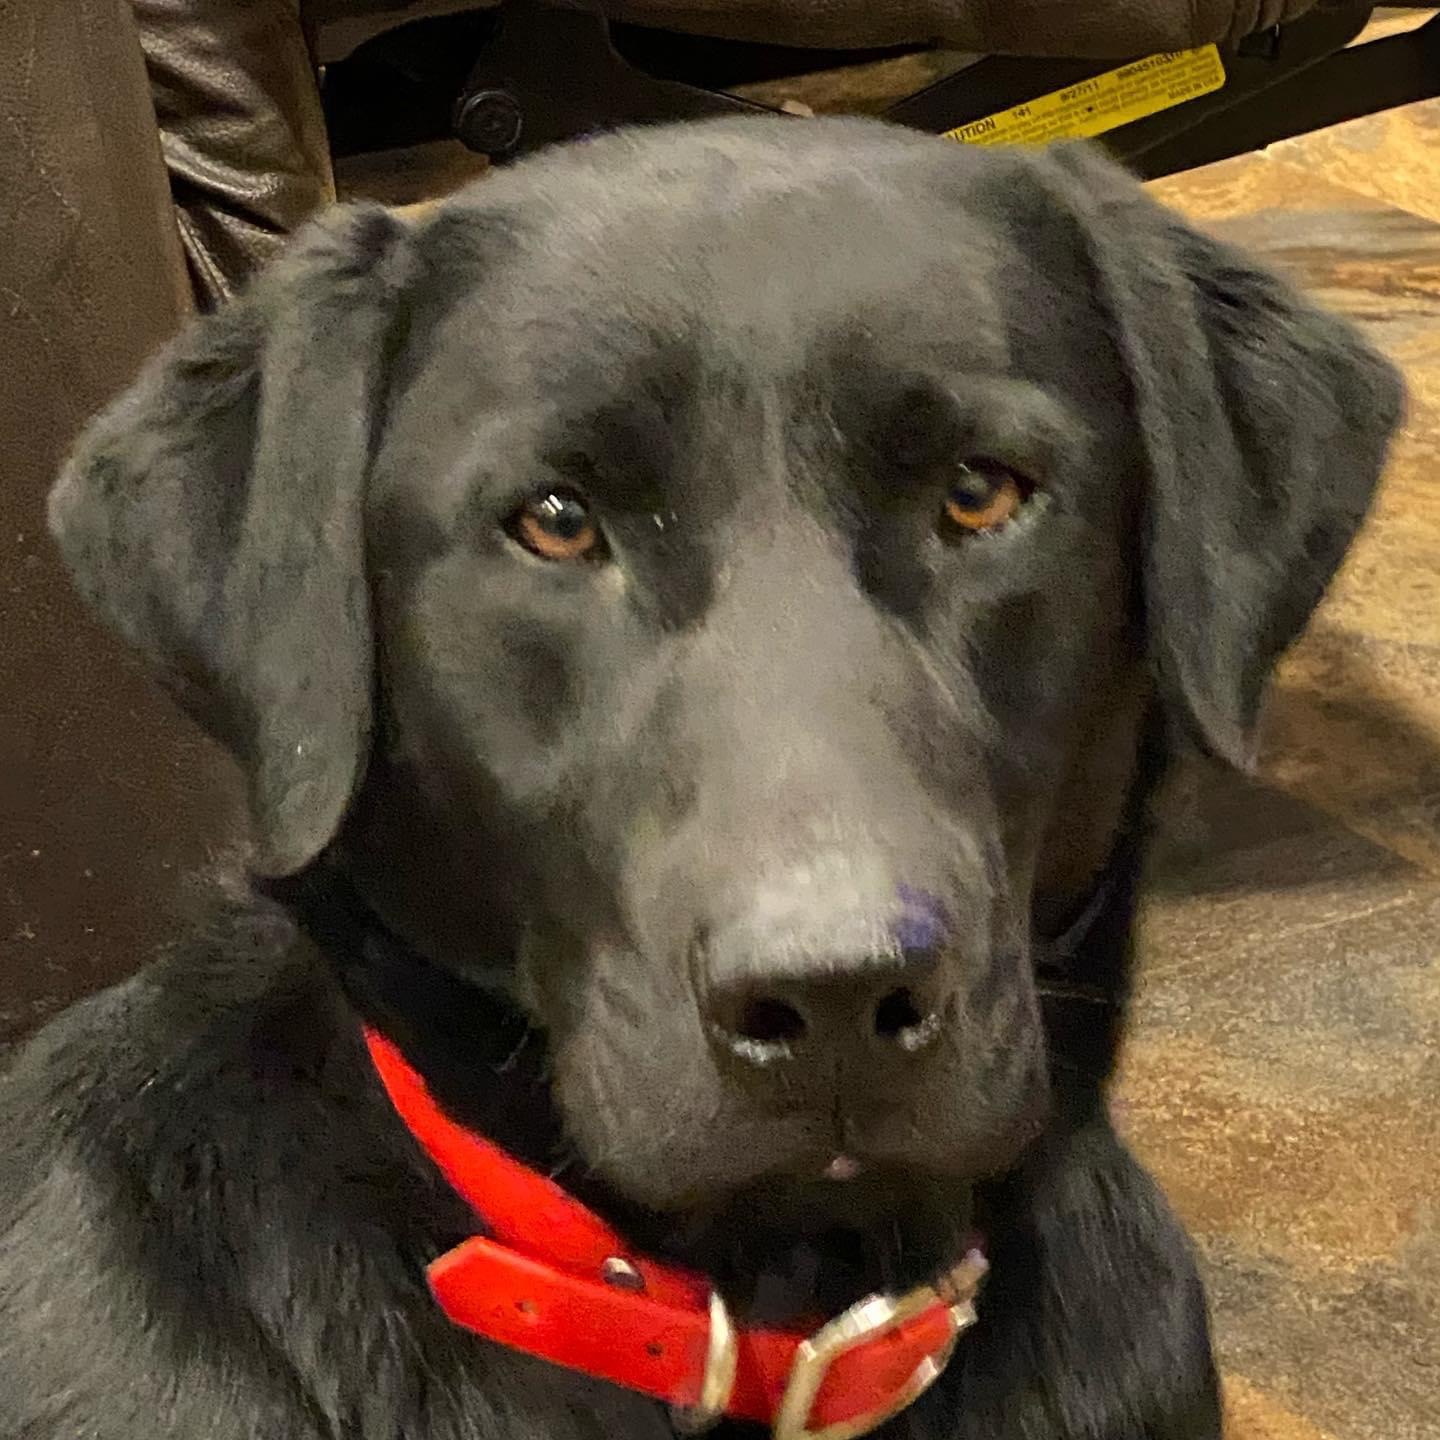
[400,88]
[996,83]
[1361,80]
[713,64]
[510,79]
[560,76]
[988,85]
[545,74]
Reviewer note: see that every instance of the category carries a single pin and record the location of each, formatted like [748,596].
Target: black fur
[535,820]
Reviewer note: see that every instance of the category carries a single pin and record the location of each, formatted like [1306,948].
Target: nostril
[896,1012]
[768,1021]
[757,1028]
[900,1019]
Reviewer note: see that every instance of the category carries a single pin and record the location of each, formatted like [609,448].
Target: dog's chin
[848,1197]
[785,1247]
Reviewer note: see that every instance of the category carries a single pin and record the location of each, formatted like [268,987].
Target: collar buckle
[863,1321]
[722,1360]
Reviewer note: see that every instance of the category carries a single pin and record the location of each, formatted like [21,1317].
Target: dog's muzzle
[554,1280]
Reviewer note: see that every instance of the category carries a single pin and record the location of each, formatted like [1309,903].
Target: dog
[700,616]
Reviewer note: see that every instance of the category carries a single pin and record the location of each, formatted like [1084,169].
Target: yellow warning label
[1103,102]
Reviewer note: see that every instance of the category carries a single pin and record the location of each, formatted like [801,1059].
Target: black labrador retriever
[700,616]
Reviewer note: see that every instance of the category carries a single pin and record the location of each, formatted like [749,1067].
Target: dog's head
[715,579]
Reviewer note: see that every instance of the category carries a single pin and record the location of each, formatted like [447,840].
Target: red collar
[551,1278]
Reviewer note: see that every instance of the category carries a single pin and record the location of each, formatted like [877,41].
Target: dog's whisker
[1060,991]
[513,1058]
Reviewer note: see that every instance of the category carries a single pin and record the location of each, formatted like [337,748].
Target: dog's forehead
[709,263]
[742,237]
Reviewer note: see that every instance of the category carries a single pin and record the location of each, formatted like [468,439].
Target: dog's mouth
[842,1169]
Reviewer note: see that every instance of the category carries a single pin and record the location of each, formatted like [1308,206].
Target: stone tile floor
[1283,1078]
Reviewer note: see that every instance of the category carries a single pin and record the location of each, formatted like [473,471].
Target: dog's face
[760,545]
[748,584]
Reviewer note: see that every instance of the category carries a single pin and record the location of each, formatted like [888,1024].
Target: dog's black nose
[841,1008]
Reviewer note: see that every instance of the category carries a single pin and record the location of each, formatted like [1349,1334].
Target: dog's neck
[477,1051]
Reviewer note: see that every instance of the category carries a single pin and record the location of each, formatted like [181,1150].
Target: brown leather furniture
[244,136]
[1106,28]
[107,797]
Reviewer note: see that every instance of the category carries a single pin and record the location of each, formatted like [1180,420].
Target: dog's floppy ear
[1264,424]
[214,515]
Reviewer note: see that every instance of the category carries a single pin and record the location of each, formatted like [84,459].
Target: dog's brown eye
[556,525]
[982,498]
